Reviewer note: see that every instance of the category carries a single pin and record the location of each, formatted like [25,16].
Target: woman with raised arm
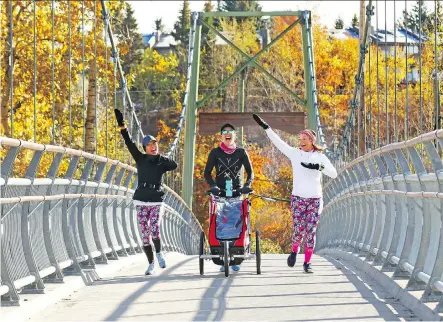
[148,197]
[308,165]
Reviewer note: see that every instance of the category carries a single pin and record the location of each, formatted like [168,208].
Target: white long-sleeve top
[306,183]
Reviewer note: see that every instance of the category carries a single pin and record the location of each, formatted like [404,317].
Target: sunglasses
[227,131]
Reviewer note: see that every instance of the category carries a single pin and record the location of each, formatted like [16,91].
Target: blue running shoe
[222,268]
[161,260]
[151,269]
[235,268]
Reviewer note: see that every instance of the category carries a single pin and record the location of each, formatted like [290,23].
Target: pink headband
[311,136]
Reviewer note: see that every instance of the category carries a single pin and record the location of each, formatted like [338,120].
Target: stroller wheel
[226,258]
[258,251]
[201,261]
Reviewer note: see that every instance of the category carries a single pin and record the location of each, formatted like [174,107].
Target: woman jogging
[308,164]
[149,195]
[228,161]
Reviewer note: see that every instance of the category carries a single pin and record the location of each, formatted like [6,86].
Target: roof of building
[381,36]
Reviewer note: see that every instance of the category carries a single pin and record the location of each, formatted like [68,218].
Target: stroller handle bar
[238,192]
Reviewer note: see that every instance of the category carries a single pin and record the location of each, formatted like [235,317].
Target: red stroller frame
[229,252]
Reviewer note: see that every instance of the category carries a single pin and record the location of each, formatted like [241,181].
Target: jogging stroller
[229,234]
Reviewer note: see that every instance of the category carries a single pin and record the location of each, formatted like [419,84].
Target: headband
[310,134]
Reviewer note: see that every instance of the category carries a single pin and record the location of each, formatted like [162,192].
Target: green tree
[206,34]
[339,23]
[241,5]
[126,32]
[354,21]
[183,24]
[419,15]
[158,25]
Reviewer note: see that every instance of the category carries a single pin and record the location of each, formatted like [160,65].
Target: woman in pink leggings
[308,165]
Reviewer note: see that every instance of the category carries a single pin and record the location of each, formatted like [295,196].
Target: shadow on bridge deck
[334,292]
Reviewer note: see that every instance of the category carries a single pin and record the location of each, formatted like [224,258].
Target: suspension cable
[52,74]
[395,78]
[96,78]
[345,143]
[35,70]
[191,49]
[370,104]
[83,75]
[437,89]
[69,74]
[106,84]
[377,83]
[11,64]
[386,78]
[407,76]
[420,64]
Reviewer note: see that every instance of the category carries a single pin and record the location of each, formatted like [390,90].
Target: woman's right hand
[119,117]
[260,121]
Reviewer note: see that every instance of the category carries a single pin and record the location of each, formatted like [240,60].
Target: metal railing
[386,207]
[54,226]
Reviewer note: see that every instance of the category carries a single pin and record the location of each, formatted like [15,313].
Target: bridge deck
[334,292]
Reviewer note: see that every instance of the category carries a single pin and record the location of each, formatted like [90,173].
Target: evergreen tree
[354,21]
[412,20]
[183,24]
[126,27]
[158,25]
[206,33]
[339,23]
[241,5]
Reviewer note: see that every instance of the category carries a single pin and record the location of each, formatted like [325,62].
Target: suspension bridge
[70,245]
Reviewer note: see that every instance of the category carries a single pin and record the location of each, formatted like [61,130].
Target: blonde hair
[315,146]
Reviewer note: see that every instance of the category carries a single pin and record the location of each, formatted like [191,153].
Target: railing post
[57,276]
[37,286]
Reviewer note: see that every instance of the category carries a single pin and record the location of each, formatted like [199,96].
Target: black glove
[246,189]
[215,190]
[260,121]
[312,166]
[119,117]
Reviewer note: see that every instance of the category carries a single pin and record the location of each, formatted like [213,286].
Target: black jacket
[228,166]
[150,169]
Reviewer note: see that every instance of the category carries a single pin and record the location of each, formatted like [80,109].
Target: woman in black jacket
[148,197]
[228,161]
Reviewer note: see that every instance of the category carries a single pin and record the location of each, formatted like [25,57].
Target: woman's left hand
[312,166]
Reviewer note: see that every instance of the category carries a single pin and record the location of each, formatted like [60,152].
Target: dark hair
[227,125]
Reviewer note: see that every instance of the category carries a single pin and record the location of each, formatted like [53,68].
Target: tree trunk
[90,125]
[6,66]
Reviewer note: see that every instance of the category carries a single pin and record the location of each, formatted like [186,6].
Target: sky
[147,11]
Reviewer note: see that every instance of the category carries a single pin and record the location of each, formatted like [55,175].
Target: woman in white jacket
[308,165]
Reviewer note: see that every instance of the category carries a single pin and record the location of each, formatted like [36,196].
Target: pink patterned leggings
[305,218]
[149,221]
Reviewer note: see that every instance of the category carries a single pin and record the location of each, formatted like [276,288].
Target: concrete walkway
[334,292]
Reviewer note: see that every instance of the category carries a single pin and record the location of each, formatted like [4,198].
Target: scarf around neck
[228,149]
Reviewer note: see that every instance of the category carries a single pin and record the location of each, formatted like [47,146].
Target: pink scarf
[228,149]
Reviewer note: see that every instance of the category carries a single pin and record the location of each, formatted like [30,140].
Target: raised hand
[119,117]
[260,121]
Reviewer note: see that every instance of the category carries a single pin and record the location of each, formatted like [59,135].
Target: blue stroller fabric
[229,218]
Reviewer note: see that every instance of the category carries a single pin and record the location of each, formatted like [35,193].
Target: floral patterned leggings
[149,221]
[305,217]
